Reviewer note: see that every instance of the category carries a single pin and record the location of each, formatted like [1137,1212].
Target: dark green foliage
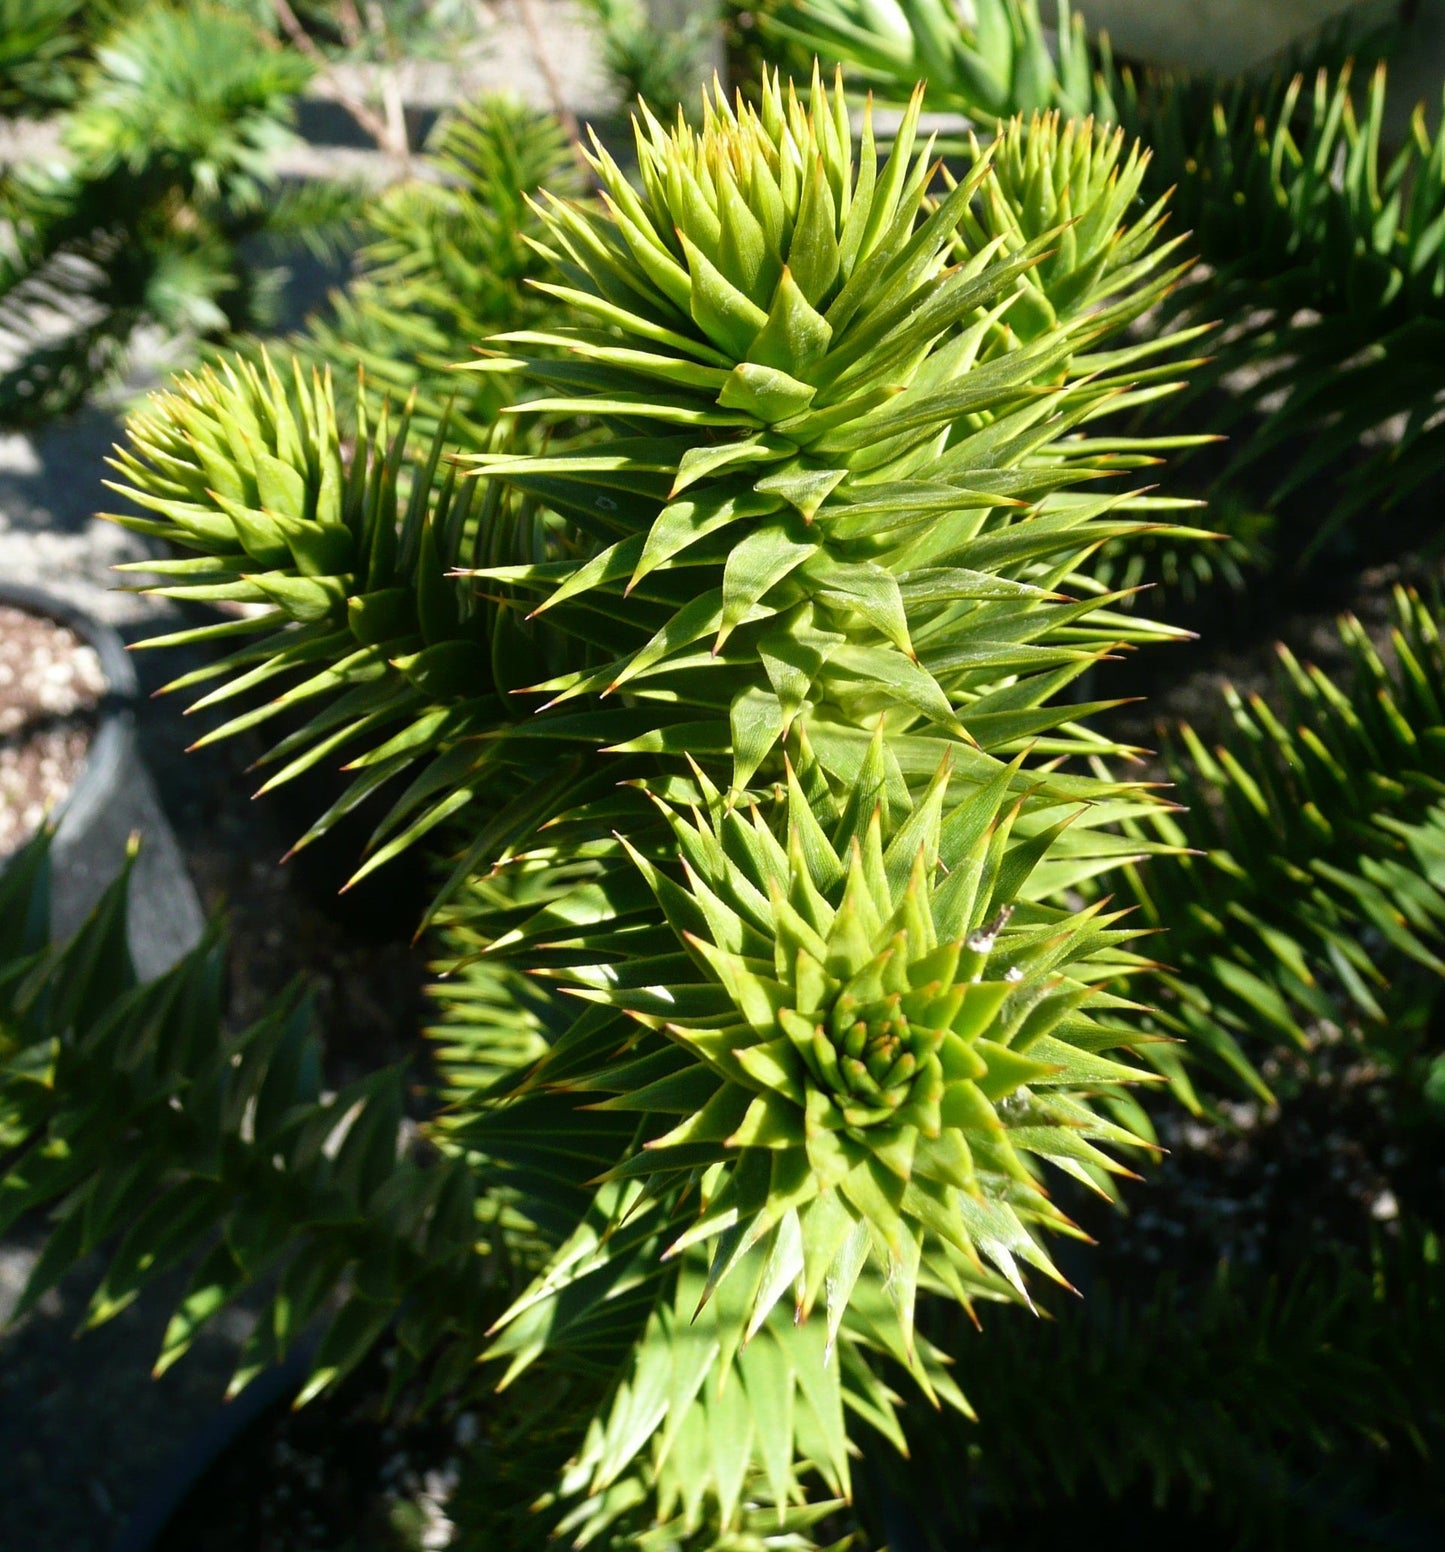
[164,168]
[152,1133]
[46,45]
[658,65]
[39,43]
[1319,894]
[1290,182]
[1326,249]
[1261,1413]
[156,1136]
[189,88]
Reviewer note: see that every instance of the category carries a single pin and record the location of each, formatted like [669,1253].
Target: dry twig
[564,114]
[389,132]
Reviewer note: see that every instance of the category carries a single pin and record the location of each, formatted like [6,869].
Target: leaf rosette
[874,1035]
[826,459]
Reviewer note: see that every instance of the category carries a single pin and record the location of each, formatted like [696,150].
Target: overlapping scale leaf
[1082,184]
[838,537]
[354,628]
[873,1035]
[733,1437]
[935,601]
[831,1023]
[1320,225]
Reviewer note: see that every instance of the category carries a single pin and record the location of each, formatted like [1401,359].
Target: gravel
[51,684]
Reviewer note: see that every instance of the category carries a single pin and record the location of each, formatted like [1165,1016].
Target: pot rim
[104,760]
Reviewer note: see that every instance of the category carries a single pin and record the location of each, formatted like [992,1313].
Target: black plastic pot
[258,1465]
[177,1481]
[112,799]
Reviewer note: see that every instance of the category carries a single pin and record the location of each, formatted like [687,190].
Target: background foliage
[167,119]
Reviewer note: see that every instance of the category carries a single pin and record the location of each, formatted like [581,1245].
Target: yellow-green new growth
[753,228]
[814,484]
[875,1036]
